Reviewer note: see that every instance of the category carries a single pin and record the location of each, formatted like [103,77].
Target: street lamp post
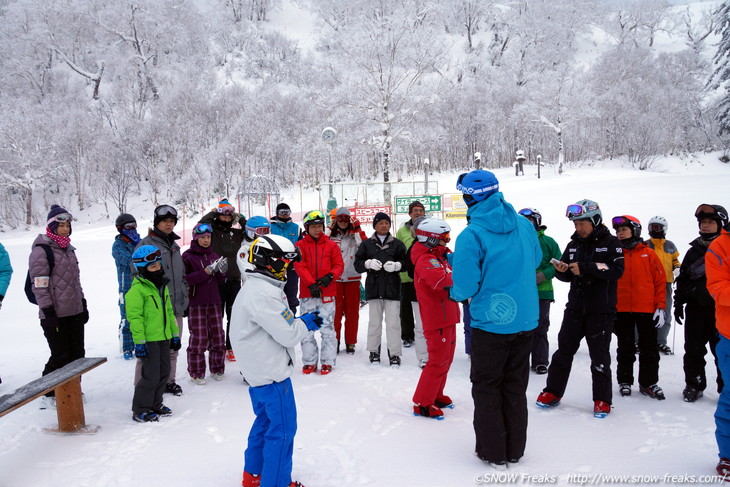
[426,167]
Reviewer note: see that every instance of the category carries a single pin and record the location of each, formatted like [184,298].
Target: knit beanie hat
[225,207]
[415,204]
[380,216]
[343,211]
[51,222]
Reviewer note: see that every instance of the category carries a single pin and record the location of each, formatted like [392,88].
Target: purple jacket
[203,288]
[63,289]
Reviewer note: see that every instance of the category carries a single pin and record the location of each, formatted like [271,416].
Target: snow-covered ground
[355,425]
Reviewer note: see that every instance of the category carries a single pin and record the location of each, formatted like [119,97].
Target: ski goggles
[446,237]
[61,218]
[260,230]
[656,227]
[129,226]
[708,211]
[151,257]
[622,221]
[166,210]
[284,212]
[343,218]
[202,228]
[226,210]
[314,215]
[577,210]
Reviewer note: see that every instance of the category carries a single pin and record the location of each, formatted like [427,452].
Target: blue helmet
[146,254]
[257,226]
[477,185]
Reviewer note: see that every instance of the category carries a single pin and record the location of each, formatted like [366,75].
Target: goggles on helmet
[312,216]
[166,210]
[577,210]
[284,212]
[656,227]
[129,226]
[151,257]
[526,212]
[708,211]
[446,236]
[260,230]
[343,218]
[622,221]
[61,218]
[203,228]
[226,210]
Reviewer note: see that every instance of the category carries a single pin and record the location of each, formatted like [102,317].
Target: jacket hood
[197,249]
[494,214]
[419,249]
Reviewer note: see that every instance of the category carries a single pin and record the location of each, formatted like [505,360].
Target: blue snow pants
[271,440]
[722,413]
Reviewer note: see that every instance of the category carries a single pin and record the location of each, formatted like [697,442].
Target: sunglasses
[226,210]
[151,257]
[284,212]
[166,210]
[129,226]
[577,210]
[203,228]
[61,218]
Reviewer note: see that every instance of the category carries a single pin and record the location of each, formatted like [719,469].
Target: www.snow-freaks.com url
[594,479]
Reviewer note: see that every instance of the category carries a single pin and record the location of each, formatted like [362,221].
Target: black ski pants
[624,328]
[155,370]
[65,341]
[407,322]
[540,346]
[500,371]
[699,330]
[597,329]
[228,291]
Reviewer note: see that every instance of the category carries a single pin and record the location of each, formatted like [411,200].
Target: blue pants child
[271,440]
[722,413]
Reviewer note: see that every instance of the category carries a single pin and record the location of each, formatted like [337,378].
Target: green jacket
[550,250]
[149,312]
[405,236]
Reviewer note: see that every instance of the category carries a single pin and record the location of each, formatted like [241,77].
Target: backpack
[28,285]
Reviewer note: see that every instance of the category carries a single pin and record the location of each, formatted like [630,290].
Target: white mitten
[373,264]
[391,266]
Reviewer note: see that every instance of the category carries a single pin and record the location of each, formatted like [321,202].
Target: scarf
[62,242]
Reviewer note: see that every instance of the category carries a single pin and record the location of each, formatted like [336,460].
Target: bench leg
[70,406]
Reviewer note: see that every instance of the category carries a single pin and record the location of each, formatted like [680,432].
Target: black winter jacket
[381,284]
[601,264]
[692,281]
[226,241]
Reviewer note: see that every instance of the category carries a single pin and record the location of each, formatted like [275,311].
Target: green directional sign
[431,203]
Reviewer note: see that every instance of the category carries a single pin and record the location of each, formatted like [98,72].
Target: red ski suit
[432,273]
[319,258]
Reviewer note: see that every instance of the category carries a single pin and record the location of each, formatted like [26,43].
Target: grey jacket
[62,288]
[174,268]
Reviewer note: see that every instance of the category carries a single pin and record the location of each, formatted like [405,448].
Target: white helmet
[431,230]
[272,254]
[658,220]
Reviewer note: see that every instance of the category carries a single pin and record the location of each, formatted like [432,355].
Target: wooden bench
[66,382]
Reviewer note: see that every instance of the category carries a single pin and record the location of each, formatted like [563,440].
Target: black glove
[325,281]
[186,312]
[84,313]
[50,320]
[141,351]
[175,344]
[315,291]
[678,312]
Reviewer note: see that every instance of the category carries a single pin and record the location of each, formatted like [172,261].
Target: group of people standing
[501,271]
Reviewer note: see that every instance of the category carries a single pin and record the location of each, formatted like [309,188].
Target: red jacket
[432,273]
[717,269]
[642,288]
[319,258]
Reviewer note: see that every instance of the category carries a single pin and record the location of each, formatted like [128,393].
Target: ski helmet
[272,254]
[145,255]
[585,210]
[431,230]
[256,226]
[628,221]
[163,212]
[313,217]
[658,227]
[124,222]
[477,185]
[532,214]
[713,212]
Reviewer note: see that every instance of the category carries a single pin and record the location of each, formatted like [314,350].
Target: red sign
[366,213]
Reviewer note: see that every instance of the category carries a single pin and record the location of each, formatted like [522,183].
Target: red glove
[355,225]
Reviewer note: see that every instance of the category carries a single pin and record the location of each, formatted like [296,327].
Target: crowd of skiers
[255,274]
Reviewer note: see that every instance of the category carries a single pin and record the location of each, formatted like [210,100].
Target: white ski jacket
[264,331]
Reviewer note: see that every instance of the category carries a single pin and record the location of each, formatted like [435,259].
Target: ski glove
[222,265]
[315,291]
[658,318]
[50,320]
[325,280]
[175,344]
[84,312]
[678,312]
[312,320]
[121,299]
[540,277]
[1,301]
[141,351]
[392,266]
[373,264]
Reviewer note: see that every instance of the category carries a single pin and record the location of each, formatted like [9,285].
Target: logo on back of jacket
[502,309]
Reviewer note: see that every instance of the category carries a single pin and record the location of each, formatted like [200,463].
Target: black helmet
[123,219]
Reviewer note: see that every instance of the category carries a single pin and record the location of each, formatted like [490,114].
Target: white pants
[310,351]
[421,349]
[391,310]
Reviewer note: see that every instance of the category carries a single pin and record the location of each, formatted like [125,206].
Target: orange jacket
[717,269]
[642,288]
